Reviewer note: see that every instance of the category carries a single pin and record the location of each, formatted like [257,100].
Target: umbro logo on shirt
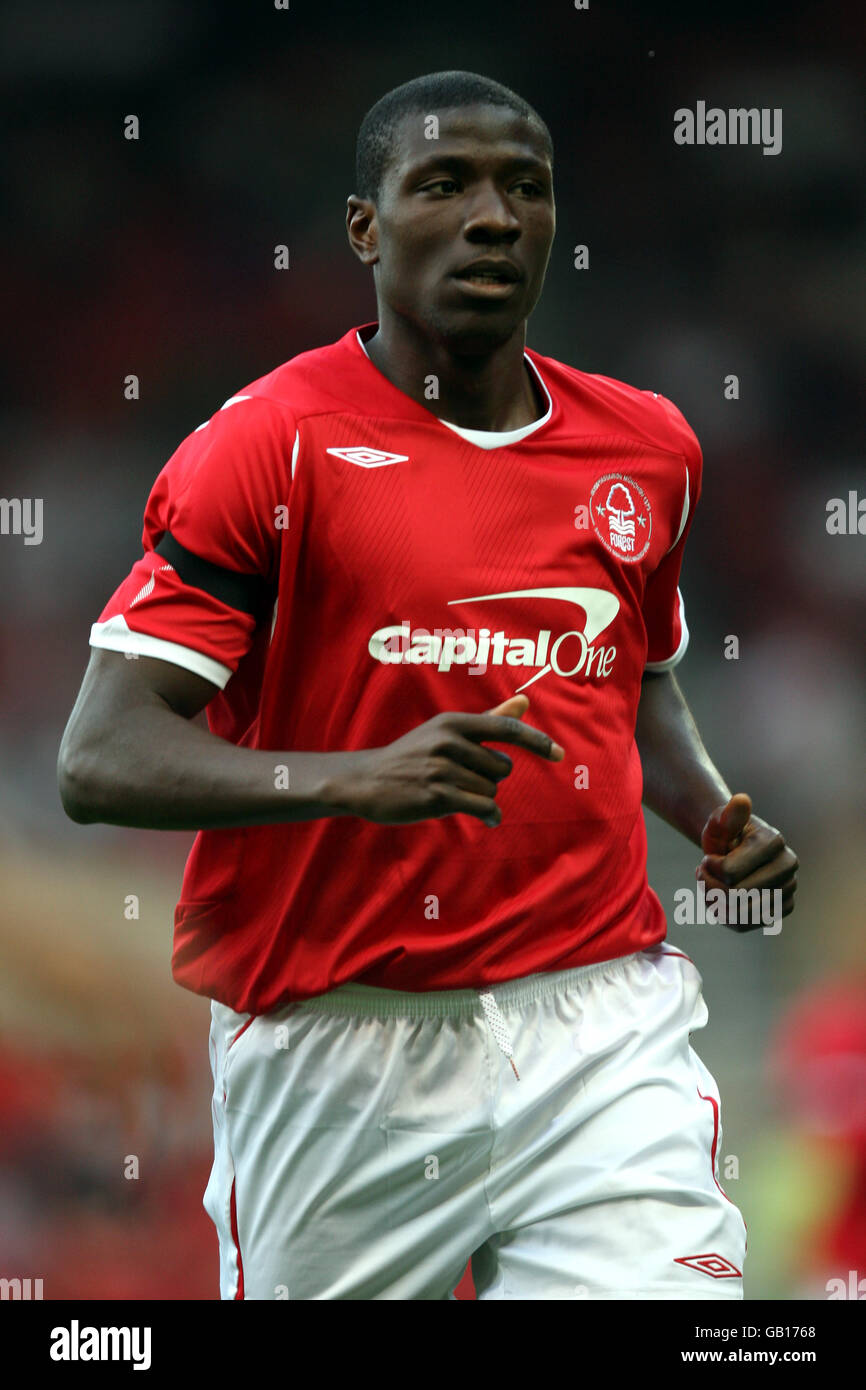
[715,1265]
[368,458]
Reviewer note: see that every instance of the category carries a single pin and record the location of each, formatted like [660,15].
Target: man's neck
[490,392]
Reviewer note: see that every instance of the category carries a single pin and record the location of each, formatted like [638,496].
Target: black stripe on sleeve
[249,593]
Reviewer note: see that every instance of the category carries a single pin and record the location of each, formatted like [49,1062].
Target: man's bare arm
[681,782]
[685,788]
[130,756]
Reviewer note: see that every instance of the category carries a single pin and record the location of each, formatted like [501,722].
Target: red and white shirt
[344,565]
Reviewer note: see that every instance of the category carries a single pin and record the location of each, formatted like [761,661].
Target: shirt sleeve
[211,539]
[663,607]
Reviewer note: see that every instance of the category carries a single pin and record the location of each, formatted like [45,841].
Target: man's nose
[489,213]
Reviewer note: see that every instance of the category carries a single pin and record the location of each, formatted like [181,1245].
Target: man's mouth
[485,277]
[489,271]
[488,278]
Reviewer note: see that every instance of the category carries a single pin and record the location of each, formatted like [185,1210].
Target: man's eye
[532,188]
[447,184]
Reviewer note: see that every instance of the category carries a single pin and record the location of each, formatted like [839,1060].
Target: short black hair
[434,91]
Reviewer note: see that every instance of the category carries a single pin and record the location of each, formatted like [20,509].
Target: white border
[115,635]
[680,652]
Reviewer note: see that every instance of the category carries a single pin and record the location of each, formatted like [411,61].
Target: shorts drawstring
[498,1027]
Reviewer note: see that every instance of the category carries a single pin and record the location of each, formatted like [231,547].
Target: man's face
[481,192]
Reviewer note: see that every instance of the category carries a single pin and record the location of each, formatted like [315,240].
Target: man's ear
[362,229]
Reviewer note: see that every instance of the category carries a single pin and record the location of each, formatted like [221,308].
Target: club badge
[621,516]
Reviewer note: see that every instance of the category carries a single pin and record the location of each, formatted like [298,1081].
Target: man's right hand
[442,767]
[132,755]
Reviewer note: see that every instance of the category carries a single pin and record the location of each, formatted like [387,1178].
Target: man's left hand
[742,851]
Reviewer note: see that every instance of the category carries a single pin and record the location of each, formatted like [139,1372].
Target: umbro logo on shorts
[368,458]
[716,1266]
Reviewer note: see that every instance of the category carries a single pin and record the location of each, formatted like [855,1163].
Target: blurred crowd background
[155,257]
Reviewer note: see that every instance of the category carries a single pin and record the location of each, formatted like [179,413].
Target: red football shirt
[344,565]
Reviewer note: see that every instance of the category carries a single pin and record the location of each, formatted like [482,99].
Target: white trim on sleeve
[115,635]
[680,652]
[685,514]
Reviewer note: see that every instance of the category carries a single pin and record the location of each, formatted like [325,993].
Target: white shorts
[558,1130]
